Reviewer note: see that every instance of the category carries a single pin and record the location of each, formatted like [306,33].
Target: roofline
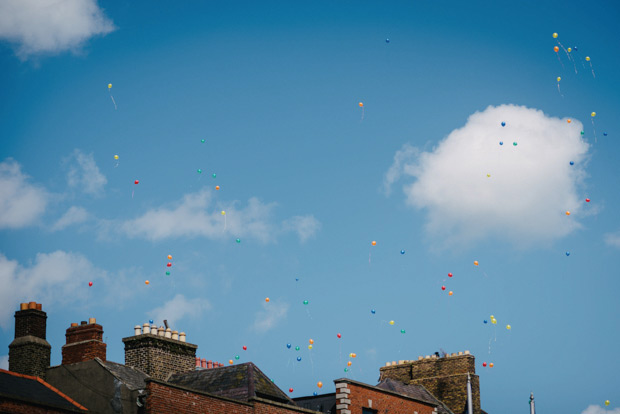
[283,405]
[219,397]
[103,365]
[374,387]
[51,387]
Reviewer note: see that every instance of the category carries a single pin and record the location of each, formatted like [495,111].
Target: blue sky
[308,180]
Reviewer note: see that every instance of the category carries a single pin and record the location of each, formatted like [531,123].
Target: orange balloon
[568,213]
[230,361]
[146,282]
[169,257]
[475,263]
[217,187]
[353,355]
[374,243]
[556,49]
[349,363]
[491,365]
[361,104]
[266,299]
[450,293]
[311,341]
[568,120]
[319,384]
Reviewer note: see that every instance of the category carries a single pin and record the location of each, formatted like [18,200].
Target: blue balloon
[299,358]
[501,143]
[568,253]
[605,133]
[503,124]
[315,393]
[288,346]
[373,311]
[485,321]
[572,163]
[151,321]
[402,252]
[387,40]
[575,48]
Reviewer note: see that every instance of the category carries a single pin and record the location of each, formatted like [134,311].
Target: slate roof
[414,391]
[34,390]
[133,378]
[240,382]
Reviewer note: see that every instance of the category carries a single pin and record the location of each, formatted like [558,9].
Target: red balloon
[443,288]
[136,182]
[169,264]
[245,348]
[484,364]
[90,283]
[290,390]
[449,274]
[587,200]
[338,335]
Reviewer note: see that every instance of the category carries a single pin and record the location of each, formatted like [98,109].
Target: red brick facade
[84,342]
[352,396]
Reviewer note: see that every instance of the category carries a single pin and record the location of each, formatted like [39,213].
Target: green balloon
[305,302]
[238,240]
[202,140]
[296,348]
[167,273]
[514,143]
[582,132]
[402,331]
[236,356]
[199,171]
[214,175]
[346,370]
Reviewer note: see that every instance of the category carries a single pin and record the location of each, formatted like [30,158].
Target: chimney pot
[175,335]
[203,363]
[39,306]
[168,333]
[73,324]
[182,337]
[146,328]
[209,364]
[154,329]
[32,305]
[83,323]
[460,352]
[160,331]
[91,321]
[197,362]
[23,306]
[137,330]
[466,352]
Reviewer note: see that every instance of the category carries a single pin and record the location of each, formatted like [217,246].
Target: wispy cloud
[50,26]
[178,308]
[529,187]
[53,278]
[597,409]
[21,203]
[271,314]
[74,215]
[613,239]
[84,174]
[304,226]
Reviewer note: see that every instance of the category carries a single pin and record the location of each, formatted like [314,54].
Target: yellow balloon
[569,50]
[391,322]
[116,157]
[309,346]
[559,79]
[109,86]
[587,58]
[223,213]
[593,114]
[555,35]
[606,402]
[508,327]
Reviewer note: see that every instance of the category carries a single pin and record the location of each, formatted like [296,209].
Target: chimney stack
[29,353]
[159,355]
[84,342]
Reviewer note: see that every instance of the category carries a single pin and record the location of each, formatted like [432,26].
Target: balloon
[450,293]
[491,365]
[361,104]
[319,384]
[557,49]
[402,331]
[555,35]
[485,321]
[151,321]
[245,348]
[109,86]
[266,299]
[373,311]
[387,40]
[146,282]
[559,79]
[575,48]
[593,114]
[339,336]
[311,341]
[214,175]
[449,274]
[223,213]
[349,363]
[236,356]
[309,346]
[169,264]
[299,358]
[391,322]
[587,58]
[217,187]
[199,171]
[605,133]
[501,143]
[90,283]
[568,213]
[116,157]
[374,243]
[443,288]
[582,132]
[569,50]
[402,252]
[568,120]
[587,200]
[488,175]
[484,364]
[288,346]
[508,327]
[353,355]
[315,393]
[568,253]
[305,302]
[238,240]
[475,263]
[202,140]
[290,390]
[494,321]
[503,124]
[572,163]
[346,370]
[296,348]
[514,143]
[606,403]
[169,257]
[167,273]
[136,182]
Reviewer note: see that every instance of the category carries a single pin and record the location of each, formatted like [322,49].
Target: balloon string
[593,75]
[113,101]
[594,128]
[560,60]
[362,114]
[132,191]
[560,90]
[224,223]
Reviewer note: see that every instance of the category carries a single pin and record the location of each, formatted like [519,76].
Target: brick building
[162,374]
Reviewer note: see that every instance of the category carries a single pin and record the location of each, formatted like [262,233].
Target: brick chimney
[158,355]
[29,353]
[444,377]
[84,342]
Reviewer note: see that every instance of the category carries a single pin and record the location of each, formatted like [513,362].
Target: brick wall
[84,342]
[445,378]
[158,356]
[352,396]
[29,355]
[19,407]
[30,322]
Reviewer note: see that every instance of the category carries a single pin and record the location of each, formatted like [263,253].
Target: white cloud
[597,409]
[21,203]
[74,215]
[4,362]
[85,174]
[56,277]
[531,184]
[304,226]
[270,316]
[51,26]
[177,308]
[196,216]
[613,239]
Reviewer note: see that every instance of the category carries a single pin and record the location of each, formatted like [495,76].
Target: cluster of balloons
[169,264]
[484,364]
